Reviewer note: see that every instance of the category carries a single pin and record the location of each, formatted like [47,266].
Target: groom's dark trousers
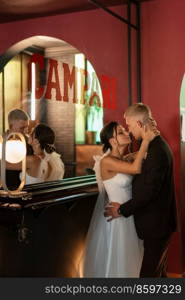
[154,207]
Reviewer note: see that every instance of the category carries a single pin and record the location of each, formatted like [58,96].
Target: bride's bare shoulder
[106,160]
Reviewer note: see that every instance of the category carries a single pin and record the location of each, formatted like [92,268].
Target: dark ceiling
[12,10]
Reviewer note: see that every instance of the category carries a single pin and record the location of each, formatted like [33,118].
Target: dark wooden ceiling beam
[12,10]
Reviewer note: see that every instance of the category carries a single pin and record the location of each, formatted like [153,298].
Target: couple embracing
[135,213]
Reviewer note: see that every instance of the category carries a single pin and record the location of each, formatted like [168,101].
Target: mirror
[56,85]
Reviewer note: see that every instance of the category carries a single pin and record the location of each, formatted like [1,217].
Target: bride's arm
[118,166]
[130,157]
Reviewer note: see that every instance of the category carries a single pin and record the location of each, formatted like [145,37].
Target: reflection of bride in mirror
[45,164]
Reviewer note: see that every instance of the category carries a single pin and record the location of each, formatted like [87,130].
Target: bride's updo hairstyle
[46,137]
[106,134]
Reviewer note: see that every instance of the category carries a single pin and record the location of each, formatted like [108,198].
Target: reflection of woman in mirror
[45,164]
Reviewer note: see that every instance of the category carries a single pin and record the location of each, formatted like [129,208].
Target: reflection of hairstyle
[46,137]
[17,114]
[138,109]
[106,134]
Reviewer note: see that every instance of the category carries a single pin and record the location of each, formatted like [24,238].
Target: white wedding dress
[57,169]
[113,249]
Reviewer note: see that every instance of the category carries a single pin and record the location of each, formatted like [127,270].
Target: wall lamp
[12,150]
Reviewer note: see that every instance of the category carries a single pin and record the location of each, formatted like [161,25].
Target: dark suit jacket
[153,197]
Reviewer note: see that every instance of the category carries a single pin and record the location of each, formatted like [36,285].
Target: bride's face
[34,143]
[122,136]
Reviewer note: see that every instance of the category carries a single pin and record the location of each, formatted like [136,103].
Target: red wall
[163,66]
[101,37]
[103,40]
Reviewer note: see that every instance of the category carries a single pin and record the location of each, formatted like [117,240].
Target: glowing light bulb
[15,151]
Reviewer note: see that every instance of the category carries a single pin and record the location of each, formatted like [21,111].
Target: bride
[45,164]
[113,249]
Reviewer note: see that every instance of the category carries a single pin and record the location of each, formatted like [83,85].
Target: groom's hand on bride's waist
[111,211]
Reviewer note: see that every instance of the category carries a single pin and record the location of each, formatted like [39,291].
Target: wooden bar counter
[43,234]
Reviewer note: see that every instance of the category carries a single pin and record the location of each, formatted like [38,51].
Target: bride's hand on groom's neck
[152,125]
[147,134]
[150,130]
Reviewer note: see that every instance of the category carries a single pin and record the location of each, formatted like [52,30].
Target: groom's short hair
[139,109]
[17,114]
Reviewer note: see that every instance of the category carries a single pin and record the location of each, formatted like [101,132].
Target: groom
[153,197]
